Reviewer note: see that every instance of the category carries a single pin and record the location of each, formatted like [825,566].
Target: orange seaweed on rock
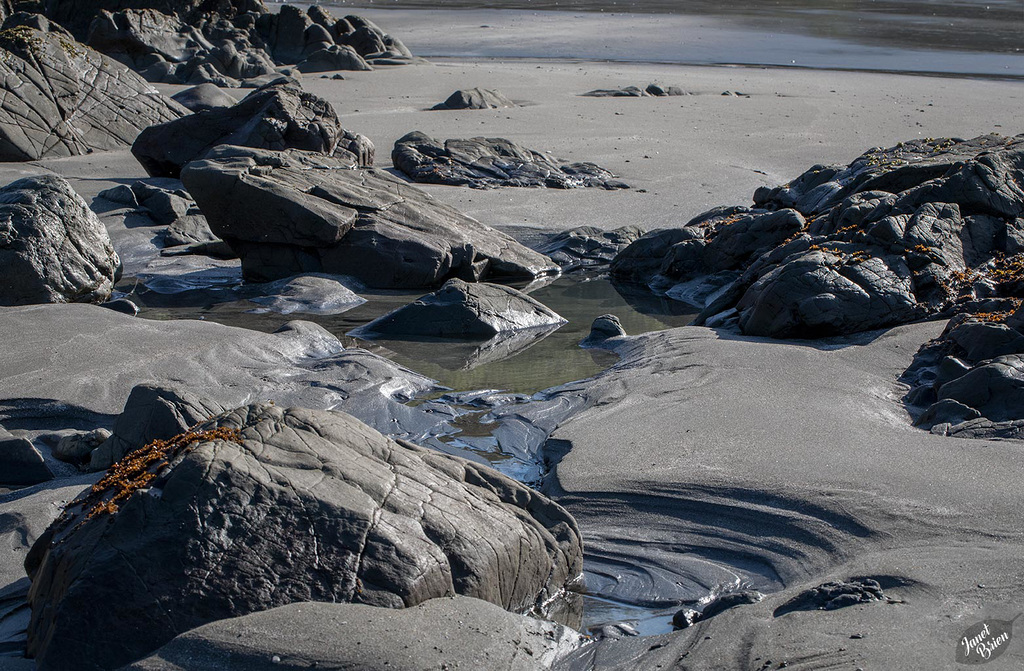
[136,471]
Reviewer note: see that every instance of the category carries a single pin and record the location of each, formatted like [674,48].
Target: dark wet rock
[642,260]
[656,90]
[688,617]
[588,246]
[307,294]
[152,412]
[53,249]
[467,311]
[276,117]
[987,340]
[297,212]
[34,21]
[77,15]
[285,33]
[333,57]
[617,630]
[64,99]
[140,38]
[268,506]
[20,462]
[475,99]
[921,229]
[983,428]
[370,41]
[122,305]
[204,97]
[476,635]
[995,389]
[76,447]
[822,293]
[484,163]
[833,595]
[166,203]
[946,411]
[604,327]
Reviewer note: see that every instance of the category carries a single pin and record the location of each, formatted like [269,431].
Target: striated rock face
[277,117]
[53,249]
[263,507]
[900,234]
[298,212]
[466,310]
[69,99]
[484,163]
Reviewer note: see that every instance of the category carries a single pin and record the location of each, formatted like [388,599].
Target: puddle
[488,379]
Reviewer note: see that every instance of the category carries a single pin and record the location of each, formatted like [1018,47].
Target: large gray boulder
[456,632]
[588,246]
[266,506]
[295,212]
[204,97]
[64,99]
[467,311]
[275,117]
[21,464]
[484,163]
[331,58]
[53,249]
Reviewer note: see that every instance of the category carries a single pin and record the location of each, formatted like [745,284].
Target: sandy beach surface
[702,459]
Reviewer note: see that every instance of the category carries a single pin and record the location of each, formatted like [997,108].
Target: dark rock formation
[333,57]
[274,117]
[78,15]
[656,90]
[484,163]
[53,249]
[170,207]
[204,97]
[76,448]
[833,595]
[604,327]
[292,36]
[64,99]
[264,507]
[723,602]
[475,99]
[152,412]
[20,462]
[307,294]
[298,212]
[969,382]
[900,234]
[465,311]
[587,246]
[476,635]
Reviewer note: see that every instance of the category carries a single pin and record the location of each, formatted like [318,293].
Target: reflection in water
[524,363]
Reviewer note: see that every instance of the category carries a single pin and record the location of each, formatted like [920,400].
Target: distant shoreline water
[965,38]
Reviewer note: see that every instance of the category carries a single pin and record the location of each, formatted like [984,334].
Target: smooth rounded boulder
[53,249]
[265,506]
[466,310]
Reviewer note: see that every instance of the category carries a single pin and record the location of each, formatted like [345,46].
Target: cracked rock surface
[53,249]
[299,505]
[299,212]
[485,163]
[61,98]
